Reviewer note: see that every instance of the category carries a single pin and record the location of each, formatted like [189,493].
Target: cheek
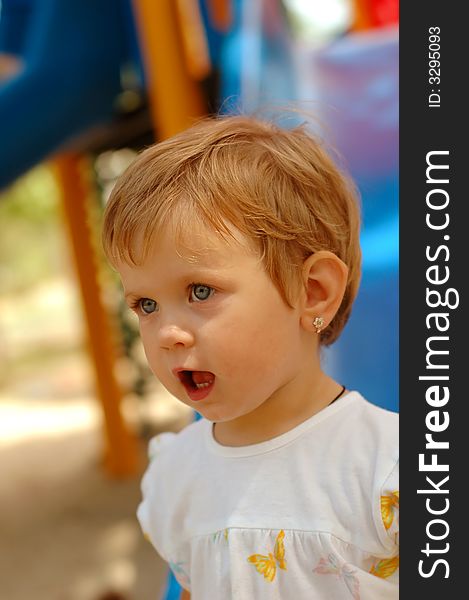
[150,348]
[157,366]
[258,344]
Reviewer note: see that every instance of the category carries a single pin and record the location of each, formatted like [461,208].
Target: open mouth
[198,384]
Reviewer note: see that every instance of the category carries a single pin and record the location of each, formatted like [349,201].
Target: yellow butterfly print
[345,572]
[267,565]
[386,567]
[388,505]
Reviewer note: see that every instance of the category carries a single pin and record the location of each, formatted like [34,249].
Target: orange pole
[194,39]
[362,15]
[121,457]
[176,98]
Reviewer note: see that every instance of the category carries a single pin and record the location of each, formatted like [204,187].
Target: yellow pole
[176,98]
[121,456]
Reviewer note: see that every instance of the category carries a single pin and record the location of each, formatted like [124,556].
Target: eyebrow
[132,295]
[198,275]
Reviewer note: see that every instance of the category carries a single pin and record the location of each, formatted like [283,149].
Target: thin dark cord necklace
[338,395]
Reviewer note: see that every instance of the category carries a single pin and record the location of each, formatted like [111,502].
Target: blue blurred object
[14,18]
[173,589]
[73,53]
[365,357]
[255,58]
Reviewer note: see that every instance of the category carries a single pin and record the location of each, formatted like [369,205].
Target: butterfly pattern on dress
[333,566]
[385,567]
[267,565]
[389,508]
[389,513]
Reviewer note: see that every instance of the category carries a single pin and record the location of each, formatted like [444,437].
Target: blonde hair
[278,187]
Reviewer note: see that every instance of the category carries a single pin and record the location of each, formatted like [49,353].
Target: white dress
[310,514]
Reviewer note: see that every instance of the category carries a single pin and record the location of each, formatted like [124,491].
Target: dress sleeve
[151,511]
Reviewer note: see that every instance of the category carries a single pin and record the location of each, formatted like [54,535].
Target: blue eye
[147,305]
[200,292]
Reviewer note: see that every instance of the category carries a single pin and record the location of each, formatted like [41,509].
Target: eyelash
[136,306]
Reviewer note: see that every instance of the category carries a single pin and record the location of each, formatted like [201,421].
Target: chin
[211,413]
[213,416]
[218,416]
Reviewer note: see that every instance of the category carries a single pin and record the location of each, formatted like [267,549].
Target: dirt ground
[68,531]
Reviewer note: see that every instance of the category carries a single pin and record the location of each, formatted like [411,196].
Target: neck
[295,402]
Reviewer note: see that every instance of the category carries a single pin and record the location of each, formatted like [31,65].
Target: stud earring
[318,323]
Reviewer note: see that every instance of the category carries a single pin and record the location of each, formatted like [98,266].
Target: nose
[172,336]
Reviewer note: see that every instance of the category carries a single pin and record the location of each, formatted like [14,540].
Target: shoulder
[371,413]
[175,458]
[168,443]
[361,436]
[373,430]
[361,448]
[380,431]
[170,452]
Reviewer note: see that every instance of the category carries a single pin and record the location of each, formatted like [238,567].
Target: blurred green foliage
[31,231]
[34,248]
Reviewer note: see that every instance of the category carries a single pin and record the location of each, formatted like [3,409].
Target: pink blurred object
[356,81]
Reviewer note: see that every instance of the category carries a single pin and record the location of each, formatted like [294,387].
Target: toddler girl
[237,243]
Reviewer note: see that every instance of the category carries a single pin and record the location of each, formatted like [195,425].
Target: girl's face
[216,331]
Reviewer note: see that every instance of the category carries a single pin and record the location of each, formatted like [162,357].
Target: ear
[324,281]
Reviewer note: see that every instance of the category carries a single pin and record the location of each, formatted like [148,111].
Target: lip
[195,394]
